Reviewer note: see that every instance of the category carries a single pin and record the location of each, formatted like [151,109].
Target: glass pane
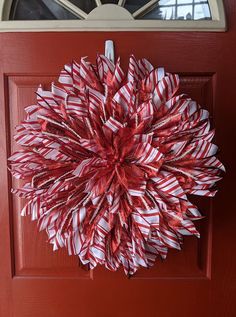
[184,1]
[109,1]
[185,12]
[201,11]
[133,6]
[39,10]
[85,5]
[166,2]
[161,13]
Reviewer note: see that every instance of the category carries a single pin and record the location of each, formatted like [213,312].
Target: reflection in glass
[87,6]
[179,10]
[39,10]
[185,12]
[133,6]
[201,11]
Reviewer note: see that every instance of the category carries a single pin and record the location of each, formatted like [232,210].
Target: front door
[197,281]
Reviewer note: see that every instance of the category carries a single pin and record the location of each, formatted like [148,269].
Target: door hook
[109,50]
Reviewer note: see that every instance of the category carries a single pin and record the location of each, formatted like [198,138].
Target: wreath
[109,160]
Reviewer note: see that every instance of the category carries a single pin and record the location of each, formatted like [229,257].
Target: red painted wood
[198,281]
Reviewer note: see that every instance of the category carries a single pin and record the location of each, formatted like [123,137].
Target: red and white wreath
[109,158]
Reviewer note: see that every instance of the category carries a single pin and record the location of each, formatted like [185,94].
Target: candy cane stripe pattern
[109,160]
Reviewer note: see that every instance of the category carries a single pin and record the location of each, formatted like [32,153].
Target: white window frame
[217,24]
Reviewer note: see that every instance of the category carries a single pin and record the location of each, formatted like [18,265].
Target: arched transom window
[112,14]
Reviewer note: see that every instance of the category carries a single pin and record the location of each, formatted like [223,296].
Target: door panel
[199,280]
[33,257]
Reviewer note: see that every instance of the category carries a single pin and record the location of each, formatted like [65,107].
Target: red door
[198,281]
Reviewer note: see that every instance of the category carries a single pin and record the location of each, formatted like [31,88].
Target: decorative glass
[140,9]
